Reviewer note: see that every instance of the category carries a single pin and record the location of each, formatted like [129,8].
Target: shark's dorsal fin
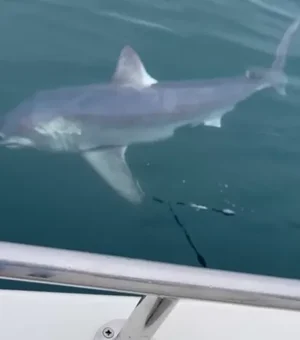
[130,70]
[110,163]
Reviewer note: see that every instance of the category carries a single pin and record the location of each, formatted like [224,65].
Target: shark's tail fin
[275,76]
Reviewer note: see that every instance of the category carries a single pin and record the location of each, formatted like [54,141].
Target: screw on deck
[108,332]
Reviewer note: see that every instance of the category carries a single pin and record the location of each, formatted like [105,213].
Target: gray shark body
[100,121]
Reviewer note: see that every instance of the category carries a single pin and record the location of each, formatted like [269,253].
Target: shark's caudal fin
[276,76]
[110,162]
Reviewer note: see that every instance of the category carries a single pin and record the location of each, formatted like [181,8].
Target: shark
[99,121]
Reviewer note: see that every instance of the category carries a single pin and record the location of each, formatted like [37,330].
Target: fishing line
[201,260]
[227,212]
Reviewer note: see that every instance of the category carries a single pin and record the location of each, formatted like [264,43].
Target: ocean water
[250,165]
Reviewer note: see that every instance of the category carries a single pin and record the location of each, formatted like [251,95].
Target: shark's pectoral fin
[111,165]
[130,70]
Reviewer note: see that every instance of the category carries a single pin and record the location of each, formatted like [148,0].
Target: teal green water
[250,165]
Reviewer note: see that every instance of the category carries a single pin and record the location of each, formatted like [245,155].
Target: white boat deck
[178,302]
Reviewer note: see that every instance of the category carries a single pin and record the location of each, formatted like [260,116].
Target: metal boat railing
[160,284]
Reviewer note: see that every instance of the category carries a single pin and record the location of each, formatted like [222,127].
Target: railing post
[146,318]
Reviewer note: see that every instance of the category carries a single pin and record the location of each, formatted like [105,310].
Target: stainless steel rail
[79,269]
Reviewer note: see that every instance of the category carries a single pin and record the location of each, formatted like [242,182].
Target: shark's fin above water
[130,70]
[111,165]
